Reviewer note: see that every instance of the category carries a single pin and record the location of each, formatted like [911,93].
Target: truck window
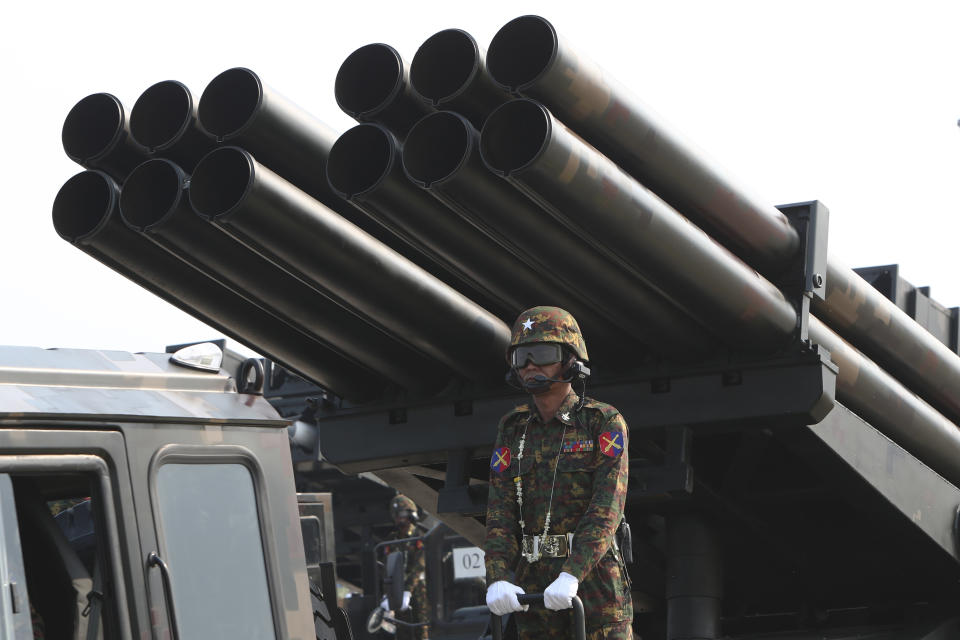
[210,527]
[67,580]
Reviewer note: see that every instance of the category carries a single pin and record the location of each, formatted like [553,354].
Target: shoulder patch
[500,460]
[611,443]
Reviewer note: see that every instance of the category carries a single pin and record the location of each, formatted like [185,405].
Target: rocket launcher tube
[863,316]
[164,120]
[285,225]
[442,155]
[154,202]
[529,58]
[448,71]
[86,214]
[365,168]
[237,108]
[373,85]
[522,142]
[96,135]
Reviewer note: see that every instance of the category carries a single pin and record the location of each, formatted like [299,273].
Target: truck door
[62,566]
[226,534]
[209,535]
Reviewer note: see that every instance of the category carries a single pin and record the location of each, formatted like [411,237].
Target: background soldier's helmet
[402,506]
[548,324]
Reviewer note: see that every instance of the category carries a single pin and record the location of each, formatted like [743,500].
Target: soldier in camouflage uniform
[558,481]
[415,606]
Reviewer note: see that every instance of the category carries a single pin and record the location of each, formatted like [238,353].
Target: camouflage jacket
[591,466]
[415,557]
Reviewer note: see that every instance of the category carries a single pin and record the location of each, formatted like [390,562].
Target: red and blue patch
[500,460]
[611,443]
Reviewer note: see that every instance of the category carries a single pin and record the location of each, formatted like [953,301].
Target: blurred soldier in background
[414,607]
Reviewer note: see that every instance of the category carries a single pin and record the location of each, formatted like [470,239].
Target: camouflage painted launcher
[613,213]
[529,58]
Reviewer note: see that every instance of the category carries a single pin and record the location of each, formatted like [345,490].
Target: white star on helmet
[527,324]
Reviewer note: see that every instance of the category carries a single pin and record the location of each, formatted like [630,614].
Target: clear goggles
[543,353]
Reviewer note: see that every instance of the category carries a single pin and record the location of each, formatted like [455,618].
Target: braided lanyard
[518,481]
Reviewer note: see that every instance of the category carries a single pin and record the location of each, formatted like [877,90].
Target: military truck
[142,496]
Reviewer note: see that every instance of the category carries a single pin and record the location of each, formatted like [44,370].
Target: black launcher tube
[442,156]
[238,109]
[164,120]
[154,201]
[96,135]
[86,214]
[366,169]
[296,232]
[373,85]
[448,71]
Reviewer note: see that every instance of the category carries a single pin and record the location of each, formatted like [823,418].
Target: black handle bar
[579,623]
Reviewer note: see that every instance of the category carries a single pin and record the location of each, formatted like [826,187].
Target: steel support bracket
[806,278]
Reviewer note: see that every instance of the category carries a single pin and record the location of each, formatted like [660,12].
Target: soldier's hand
[384,604]
[406,601]
[559,595]
[502,598]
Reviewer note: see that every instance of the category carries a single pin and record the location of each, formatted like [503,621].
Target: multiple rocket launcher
[393,256]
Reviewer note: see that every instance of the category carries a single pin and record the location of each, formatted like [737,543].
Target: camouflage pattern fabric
[415,582]
[548,324]
[591,487]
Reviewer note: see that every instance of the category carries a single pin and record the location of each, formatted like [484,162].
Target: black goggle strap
[539,354]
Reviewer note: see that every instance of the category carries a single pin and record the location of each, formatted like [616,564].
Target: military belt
[534,547]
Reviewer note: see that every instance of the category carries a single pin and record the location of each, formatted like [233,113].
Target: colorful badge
[500,461]
[576,446]
[611,443]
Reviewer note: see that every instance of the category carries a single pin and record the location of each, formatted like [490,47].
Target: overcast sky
[852,103]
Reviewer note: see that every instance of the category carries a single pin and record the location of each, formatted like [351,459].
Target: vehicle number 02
[468,563]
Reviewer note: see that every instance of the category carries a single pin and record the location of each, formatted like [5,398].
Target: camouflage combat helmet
[401,503]
[548,324]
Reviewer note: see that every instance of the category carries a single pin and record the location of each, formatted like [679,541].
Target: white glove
[405,606]
[502,598]
[384,604]
[559,595]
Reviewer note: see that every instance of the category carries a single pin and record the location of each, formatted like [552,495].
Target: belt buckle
[530,548]
[551,546]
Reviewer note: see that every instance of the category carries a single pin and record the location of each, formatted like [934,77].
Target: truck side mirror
[393,581]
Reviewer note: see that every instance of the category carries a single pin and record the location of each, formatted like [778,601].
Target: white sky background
[854,103]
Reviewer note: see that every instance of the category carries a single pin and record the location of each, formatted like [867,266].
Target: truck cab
[141,496]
